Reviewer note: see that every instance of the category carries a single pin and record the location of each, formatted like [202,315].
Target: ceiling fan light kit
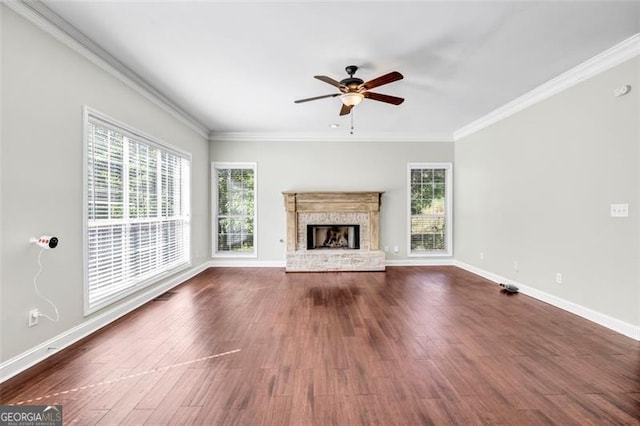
[351,98]
[353,89]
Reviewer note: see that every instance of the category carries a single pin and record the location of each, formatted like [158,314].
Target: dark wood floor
[414,345]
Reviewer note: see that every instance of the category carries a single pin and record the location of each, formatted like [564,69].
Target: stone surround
[319,208]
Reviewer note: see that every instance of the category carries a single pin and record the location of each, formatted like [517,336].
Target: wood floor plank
[135,417]
[183,416]
[277,412]
[85,417]
[412,346]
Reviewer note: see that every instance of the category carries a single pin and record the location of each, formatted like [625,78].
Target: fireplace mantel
[327,207]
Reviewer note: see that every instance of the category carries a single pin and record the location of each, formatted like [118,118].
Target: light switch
[619,210]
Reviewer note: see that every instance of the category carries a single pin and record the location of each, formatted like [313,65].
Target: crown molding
[604,61]
[44,18]
[311,137]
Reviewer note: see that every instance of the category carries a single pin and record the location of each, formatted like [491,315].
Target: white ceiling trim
[306,137]
[44,18]
[608,59]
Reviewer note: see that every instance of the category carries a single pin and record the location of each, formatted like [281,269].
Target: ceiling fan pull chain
[352,121]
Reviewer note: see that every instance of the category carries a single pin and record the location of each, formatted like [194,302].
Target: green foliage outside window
[428,210]
[236,203]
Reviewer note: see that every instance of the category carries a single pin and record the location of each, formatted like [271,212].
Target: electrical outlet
[33,317]
[396,249]
[515,265]
[481,255]
[619,210]
[558,278]
[386,249]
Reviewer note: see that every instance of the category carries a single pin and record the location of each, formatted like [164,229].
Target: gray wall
[44,86]
[536,188]
[331,166]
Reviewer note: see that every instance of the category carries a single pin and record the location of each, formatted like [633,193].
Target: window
[430,220]
[137,211]
[234,232]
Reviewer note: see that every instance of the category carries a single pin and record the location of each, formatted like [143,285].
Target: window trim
[448,206]
[215,165]
[90,114]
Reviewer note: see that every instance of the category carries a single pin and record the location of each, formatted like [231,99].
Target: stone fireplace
[333,231]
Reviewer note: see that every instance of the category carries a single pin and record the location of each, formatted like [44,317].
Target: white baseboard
[419,262]
[604,320]
[29,358]
[245,263]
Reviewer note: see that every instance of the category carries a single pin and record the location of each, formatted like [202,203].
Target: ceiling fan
[353,90]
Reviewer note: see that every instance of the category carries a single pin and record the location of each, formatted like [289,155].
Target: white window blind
[137,211]
[235,209]
[430,209]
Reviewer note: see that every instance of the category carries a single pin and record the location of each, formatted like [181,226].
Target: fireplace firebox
[333,237]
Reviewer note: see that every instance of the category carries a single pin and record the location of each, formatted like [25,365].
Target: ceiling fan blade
[330,81]
[346,109]
[384,79]
[299,101]
[383,98]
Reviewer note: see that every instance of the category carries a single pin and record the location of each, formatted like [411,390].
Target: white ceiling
[238,66]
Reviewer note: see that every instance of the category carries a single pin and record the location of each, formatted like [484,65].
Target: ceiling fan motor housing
[352,82]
